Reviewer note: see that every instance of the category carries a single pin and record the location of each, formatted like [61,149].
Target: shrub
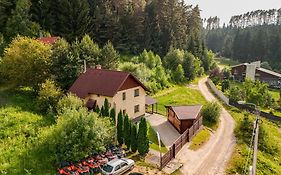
[77,134]
[27,62]
[211,112]
[143,142]
[178,75]
[48,96]
[67,102]
[225,85]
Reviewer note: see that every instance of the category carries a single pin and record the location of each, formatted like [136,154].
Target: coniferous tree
[20,21]
[109,57]
[120,136]
[105,108]
[143,142]
[112,115]
[133,137]
[97,109]
[127,131]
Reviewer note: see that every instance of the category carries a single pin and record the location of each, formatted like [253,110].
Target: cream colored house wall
[128,104]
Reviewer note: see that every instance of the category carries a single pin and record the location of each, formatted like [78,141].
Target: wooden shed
[183,117]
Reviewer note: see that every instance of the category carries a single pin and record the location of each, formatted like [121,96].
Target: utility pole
[256,143]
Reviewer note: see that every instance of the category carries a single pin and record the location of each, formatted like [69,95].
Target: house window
[137,108]
[124,95]
[137,92]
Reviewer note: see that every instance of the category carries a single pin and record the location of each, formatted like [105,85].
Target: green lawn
[266,163]
[198,141]
[154,140]
[178,95]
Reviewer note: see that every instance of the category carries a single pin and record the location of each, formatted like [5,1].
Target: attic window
[137,92]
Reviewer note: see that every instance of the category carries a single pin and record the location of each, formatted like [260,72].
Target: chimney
[85,66]
[98,66]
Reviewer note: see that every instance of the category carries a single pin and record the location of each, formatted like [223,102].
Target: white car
[118,166]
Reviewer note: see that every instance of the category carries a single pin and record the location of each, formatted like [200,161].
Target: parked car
[118,166]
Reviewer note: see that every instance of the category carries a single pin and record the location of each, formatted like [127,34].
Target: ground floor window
[137,108]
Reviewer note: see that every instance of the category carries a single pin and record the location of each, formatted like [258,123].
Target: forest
[248,37]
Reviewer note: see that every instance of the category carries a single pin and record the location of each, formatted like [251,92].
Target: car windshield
[107,168]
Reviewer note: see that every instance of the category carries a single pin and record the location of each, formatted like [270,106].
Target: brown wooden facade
[181,125]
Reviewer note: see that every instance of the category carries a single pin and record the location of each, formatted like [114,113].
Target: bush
[225,85]
[143,141]
[78,133]
[26,62]
[67,102]
[211,112]
[48,96]
[112,115]
[105,111]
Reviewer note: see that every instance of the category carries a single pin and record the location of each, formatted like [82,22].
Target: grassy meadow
[178,95]
[269,158]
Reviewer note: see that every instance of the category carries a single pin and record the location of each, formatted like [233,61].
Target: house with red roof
[123,90]
[48,40]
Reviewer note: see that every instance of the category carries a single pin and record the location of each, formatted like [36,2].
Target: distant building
[253,71]
[48,40]
[124,92]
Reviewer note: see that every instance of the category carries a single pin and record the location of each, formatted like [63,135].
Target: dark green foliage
[127,131]
[143,141]
[120,135]
[225,85]
[105,111]
[113,115]
[101,111]
[97,109]
[178,76]
[245,129]
[133,138]
[64,64]
[19,23]
[211,113]
[247,39]
[109,57]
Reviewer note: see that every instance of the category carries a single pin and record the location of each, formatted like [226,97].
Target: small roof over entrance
[150,101]
[186,112]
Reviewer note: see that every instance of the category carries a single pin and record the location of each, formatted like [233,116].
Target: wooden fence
[180,142]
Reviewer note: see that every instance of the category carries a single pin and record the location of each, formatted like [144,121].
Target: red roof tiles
[48,40]
[101,82]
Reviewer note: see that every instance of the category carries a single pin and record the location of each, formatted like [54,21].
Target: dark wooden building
[253,71]
[184,117]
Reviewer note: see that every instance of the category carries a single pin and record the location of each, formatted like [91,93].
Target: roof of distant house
[269,72]
[238,65]
[187,112]
[48,40]
[101,82]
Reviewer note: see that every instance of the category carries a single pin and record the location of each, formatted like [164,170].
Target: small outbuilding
[184,117]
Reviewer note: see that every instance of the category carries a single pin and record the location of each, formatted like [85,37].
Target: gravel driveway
[214,155]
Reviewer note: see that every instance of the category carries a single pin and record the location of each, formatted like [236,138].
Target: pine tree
[112,115]
[178,75]
[120,137]
[97,109]
[143,142]
[105,112]
[127,131]
[102,111]
[20,21]
[109,57]
[133,137]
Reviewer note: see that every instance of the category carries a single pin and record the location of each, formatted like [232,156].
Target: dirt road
[214,155]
